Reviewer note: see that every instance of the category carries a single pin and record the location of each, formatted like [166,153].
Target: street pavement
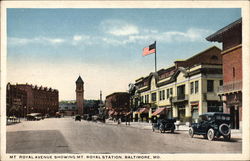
[65,135]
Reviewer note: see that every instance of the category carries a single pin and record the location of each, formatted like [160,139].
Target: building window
[214,106]
[181,92]
[146,98]
[221,82]
[153,97]
[210,85]
[233,72]
[196,86]
[191,87]
[142,99]
[171,91]
[162,95]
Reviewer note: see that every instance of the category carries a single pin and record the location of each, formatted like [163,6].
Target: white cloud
[81,39]
[122,36]
[42,40]
[54,40]
[119,28]
[124,30]
[77,38]
[18,41]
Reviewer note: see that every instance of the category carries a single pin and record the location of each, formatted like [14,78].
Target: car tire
[210,134]
[172,130]
[191,132]
[227,137]
[223,132]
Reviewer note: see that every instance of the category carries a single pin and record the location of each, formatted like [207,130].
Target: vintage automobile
[78,118]
[164,125]
[34,116]
[211,125]
[58,115]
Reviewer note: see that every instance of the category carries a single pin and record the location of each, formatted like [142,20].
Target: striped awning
[143,110]
[160,111]
[111,112]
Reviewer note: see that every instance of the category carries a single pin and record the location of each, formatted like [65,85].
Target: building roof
[217,36]
[79,80]
[117,93]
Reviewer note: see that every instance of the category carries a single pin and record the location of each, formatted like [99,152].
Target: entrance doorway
[181,113]
[234,111]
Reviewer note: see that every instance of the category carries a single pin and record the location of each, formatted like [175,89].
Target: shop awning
[111,112]
[128,113]
[143,110]
[159,111]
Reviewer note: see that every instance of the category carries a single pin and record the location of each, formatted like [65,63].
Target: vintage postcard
[125,80]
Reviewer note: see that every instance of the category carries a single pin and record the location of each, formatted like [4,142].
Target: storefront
[195,111]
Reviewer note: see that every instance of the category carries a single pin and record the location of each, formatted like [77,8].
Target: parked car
[34,116]
[164,125]
[58,115]
[78,118]
[211,125]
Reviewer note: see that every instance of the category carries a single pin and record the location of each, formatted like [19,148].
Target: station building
[182,91]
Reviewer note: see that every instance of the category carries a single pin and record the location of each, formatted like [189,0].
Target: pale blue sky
[51,47]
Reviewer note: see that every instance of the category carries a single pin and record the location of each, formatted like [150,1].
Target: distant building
[117,103]
[16,101]
[182,91]
[68,108]
[39,99]
[80,95]
[231,90]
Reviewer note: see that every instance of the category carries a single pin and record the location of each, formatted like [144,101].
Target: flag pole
[155,59]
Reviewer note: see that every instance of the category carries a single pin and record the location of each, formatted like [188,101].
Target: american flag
[149,50]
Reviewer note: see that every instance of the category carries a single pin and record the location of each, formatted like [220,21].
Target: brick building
[16,101]
[183,91]
[231,92]
[117,103]
[40,99]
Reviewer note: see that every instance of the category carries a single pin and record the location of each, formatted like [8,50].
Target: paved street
[64,135]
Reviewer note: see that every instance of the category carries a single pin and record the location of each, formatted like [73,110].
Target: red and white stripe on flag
[146,51]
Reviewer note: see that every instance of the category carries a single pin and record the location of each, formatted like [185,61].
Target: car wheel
[210,134]
[191,132]
[227,138]
[172,130]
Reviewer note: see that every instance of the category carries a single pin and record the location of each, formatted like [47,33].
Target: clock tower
[79,95]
